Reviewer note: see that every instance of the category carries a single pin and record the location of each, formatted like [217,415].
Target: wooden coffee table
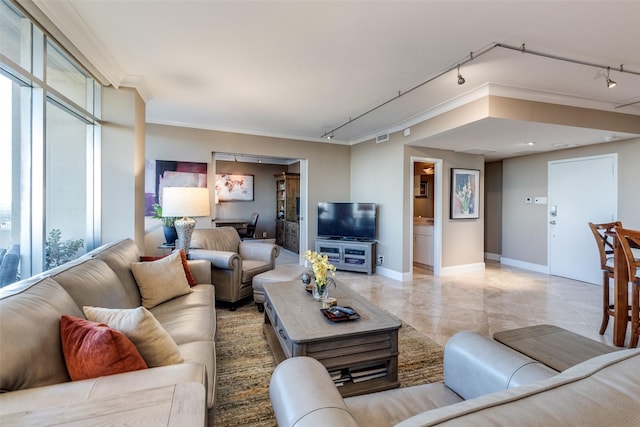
[361,355]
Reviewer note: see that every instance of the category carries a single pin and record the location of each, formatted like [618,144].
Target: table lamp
[185,202]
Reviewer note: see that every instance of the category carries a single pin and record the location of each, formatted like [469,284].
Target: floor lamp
[185,202]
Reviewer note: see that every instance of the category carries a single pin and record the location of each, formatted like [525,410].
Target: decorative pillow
[160,280]
[93,350]
[185,265]
[154,343]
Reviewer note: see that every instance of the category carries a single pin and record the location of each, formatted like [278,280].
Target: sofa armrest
[314,401]
[201,270]
[475,365]
[219,259]
[259,251]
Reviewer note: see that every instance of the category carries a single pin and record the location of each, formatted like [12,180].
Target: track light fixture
[610,83]
[461,79]
[474,55]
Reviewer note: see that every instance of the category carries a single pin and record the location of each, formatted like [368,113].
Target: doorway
[425,216]
[581,190]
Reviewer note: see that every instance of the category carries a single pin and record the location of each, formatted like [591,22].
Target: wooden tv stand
[349,255]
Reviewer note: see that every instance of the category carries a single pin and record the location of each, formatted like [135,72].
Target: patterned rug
[245,364]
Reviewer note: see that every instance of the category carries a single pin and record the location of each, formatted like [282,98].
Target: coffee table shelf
[294,326]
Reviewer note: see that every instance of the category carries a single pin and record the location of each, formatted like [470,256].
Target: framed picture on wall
[465,193]
[424,189]
[234,187]
[170,173]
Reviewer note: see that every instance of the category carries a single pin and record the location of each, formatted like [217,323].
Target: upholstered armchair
[233,262]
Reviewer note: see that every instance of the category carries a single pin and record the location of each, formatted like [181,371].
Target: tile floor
[500,298]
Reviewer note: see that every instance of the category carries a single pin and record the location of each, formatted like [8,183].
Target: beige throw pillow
[160,280]
[155,345]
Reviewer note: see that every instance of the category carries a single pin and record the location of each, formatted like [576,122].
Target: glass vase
[320,292]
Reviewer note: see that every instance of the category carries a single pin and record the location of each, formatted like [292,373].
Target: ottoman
[282,273]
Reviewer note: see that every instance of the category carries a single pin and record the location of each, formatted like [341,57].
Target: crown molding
[65,17]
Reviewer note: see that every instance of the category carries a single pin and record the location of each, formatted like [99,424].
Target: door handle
[552,222]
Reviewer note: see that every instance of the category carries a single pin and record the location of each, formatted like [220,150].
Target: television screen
[347,220]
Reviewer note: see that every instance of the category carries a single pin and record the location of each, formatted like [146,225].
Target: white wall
[524,226]
[122,187]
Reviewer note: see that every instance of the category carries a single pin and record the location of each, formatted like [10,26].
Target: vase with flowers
[323,271]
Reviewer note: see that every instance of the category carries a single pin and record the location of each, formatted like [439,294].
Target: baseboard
[465,268]
[525,265]
[392,274]
[492,257]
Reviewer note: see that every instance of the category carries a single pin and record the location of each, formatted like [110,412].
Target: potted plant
[170,233]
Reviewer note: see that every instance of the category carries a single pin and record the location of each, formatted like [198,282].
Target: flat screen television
[347,220]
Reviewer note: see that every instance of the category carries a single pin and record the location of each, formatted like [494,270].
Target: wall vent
[382,138]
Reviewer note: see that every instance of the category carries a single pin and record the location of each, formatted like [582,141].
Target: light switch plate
[540,200]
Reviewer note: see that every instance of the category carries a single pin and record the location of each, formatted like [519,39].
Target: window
[48,140]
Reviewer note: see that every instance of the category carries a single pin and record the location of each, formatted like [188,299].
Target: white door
[581,190]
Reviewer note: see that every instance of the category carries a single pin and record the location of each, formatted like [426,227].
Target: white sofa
[485,384]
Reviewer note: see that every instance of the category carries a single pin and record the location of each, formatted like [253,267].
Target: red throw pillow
[185,265]
[93,349]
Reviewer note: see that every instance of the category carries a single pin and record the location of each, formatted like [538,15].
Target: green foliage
[57,252]
[167,221]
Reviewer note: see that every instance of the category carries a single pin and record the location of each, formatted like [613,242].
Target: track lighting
[461,79]
[610,83]
[471,57]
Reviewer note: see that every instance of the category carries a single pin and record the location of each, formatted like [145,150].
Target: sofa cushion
[204,353]
[90,281]
[138,324]
[119,256]
[392,406]
[185,264]
[93,349]
[101,388]
[600,391]
[160,280]
[190,317]
[30,347]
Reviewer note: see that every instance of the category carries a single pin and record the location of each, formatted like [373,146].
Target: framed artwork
[234,187]
[465,193]
[424,189]
[170,173]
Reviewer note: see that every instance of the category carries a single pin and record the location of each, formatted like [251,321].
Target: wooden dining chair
[605,248]
[629,239]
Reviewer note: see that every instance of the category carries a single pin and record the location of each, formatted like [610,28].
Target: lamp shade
[185,201]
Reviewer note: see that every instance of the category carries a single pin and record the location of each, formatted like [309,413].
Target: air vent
[476,151]
[382,138]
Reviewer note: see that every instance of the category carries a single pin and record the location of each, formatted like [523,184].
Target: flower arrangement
[322,268]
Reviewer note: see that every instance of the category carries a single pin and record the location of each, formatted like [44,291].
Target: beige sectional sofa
[485,384]
[33,373]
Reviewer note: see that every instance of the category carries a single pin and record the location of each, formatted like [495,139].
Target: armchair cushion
[216,239]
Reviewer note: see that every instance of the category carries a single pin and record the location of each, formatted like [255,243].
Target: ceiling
[301,69]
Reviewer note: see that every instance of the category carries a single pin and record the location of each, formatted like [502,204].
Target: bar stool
[605,247]
[629,239]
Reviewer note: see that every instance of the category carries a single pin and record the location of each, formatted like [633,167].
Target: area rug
[245,364]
